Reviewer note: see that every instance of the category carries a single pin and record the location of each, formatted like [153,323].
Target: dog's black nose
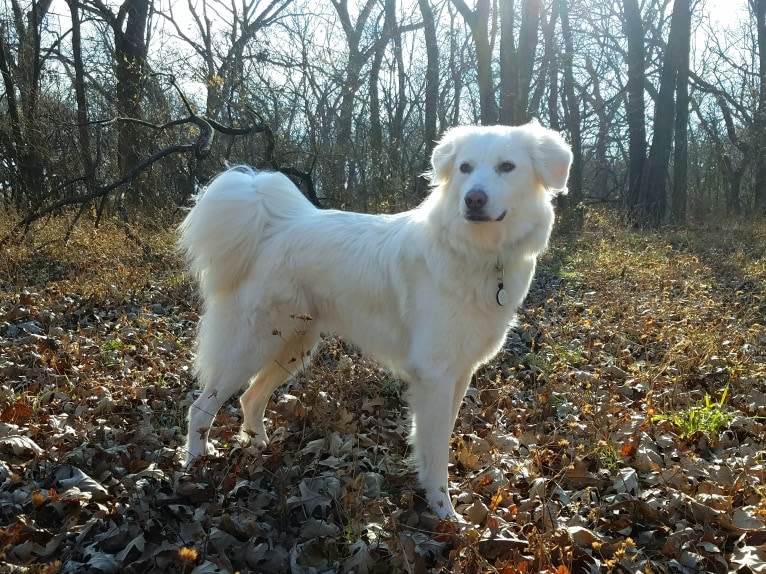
[476,199]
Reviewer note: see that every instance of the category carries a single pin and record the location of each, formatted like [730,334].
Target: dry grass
[572,452]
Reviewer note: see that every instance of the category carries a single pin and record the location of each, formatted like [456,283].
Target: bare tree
[734,155]
[548,78]
[130,27]
[681,149]
[26,143]
[517,61]
[431,92]
[759,11]
[222,54]
[655,185]
[87,159]
[478,22]
[635,107]
[572,109]
[344,175]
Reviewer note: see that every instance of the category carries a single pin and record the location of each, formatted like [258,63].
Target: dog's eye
[506,167]
[466,167]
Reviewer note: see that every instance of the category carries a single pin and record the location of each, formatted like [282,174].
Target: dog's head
[493,174]
[493,187]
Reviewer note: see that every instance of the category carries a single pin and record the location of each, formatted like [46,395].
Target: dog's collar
[502,295]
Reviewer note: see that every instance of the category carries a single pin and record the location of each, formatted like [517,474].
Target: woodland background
[132,105]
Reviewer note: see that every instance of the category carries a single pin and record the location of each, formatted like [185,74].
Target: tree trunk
[478,22]
[88,165]
[572,113]
[600,108]
[376,129]
[679,196]
[734,175]
[635,109]
[343,175]
[484,63]
[516,63]
[759,9]
[659,154]
[431,92]
[548,71]
[21,80]
[397,121]
[130,52]
[375,146]
[509,77]
[530,22]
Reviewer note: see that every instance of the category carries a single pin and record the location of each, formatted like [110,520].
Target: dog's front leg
[431,400]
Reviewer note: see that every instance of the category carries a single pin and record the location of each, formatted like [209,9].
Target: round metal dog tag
[501,296]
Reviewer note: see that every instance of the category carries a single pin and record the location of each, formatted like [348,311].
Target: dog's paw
[246,438]
[192,457]
[441,504]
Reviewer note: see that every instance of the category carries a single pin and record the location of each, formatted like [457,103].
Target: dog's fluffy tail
[221,234]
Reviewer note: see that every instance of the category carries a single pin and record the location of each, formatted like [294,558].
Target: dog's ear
[551,156]
[443,157]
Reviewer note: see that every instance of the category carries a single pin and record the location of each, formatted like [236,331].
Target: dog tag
[501,296]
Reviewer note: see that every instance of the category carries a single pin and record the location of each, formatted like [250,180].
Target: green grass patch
[708,417]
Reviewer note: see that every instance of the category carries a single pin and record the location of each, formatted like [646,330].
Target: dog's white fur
[417,290]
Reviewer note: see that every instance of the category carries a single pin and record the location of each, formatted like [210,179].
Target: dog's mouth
[483,218]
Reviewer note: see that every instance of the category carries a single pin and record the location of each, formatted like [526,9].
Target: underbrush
[621,429]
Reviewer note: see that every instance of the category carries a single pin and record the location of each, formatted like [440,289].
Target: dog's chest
[492,291]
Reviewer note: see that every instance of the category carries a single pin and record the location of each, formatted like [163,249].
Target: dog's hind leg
[233,347]
[294,355]
[221,379]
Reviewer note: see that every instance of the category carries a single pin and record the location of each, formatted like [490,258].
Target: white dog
[430,292]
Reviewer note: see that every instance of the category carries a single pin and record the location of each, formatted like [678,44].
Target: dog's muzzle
[475,206]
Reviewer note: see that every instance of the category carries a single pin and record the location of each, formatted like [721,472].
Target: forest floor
[622,429]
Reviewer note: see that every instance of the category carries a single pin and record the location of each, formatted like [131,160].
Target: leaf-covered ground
[621,430]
